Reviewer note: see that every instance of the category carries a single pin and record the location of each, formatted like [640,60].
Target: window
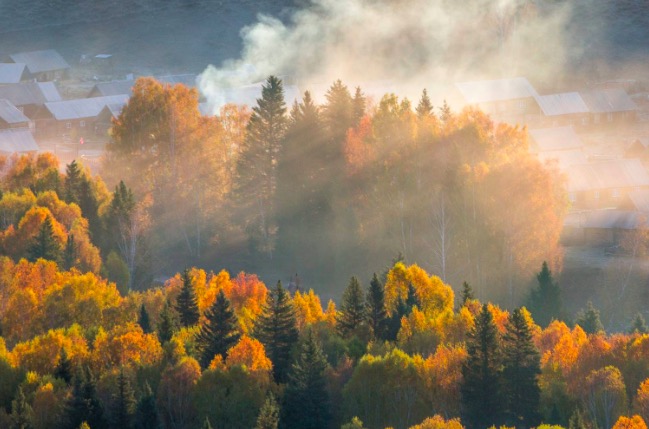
[584,120]
[596,195]
[616,193]
[68,125]
[82,124]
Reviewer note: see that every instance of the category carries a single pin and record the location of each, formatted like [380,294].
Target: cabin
[116,87]
[11,73]
[605,227]
[44,65]
[506,100]
[106,116]
[563,109]
[17,140]
[29,97]
[605,184]
[73,119]
[560,144]
[609,106]
[11,117]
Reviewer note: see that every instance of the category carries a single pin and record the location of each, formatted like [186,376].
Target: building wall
[600,199]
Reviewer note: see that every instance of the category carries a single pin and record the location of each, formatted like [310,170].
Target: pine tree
[90,210]
[521,366]
[123,410]
[44,244]
[467,293]
[276,328]
[186,303]
[352,309]
[257,165]
[482,395]
[577,421]
[425,107]
[358,105]
[306,401]
[168,324]
[589,319]
[144,320]
[219,331]
[21,412]
[84,405]
[376,314]
[63,368]
[393,323]
[639,325]
[445,113]
[72,183]
[412,299]
[146,413]
[269,414]
[70,253]
[545,301]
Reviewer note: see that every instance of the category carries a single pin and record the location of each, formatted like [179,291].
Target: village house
[44,65]
[506,100]
[11,73]
[116,87]
[561,144]
[74,119]
[609,106]
[11,117]
[567,108]
[17,140]
[28,97]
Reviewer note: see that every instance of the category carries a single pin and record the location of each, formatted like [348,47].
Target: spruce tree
[90,210]
[276,328]
[358,105]
[146,413]
[545,301]
[186,303]
[482,393]
[306,401]
[639,325]
[44,244]
[168,323]
[72,184]
[123,409]
[521,366]
[269,414]
[144,320]
[393,323]
[219,332]
[21,412]
[589,319]
[84,405]
[376,314]
[63,368]
[425,107]
[467,293]
[445,113]
[352,309]
[70,253]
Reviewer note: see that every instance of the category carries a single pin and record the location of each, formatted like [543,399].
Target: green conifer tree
[84,405]
[276,328]
[467,293]
[376,314]
[358,105]
[144,320]
[482,392]
[21,412]
[72,184]
[269,414]
[425,107]
[545,301]
[639,325]
[219,332]
[352,309]
[90,210]
[521,366]
[306,401]
[168,323]
[186,303]
[589,319]
[63,368]
[146,413]
[124,404]
[70,253]
[44,244]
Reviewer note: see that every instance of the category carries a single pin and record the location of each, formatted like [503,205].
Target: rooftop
[11,72]
[83,107]
[555,139]
[618,173]
[24,93]
[565,103]
[41,61]
[10,113]
[17,140]
[608,101]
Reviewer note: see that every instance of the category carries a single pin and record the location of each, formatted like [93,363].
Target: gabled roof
[41,61]
[83,107]
[117,87]
[12,72]
[565,103]
[608,101]
[24,93]
[640,199]
[485,91]
[10,113]
[17,140]
[618,173]
[113,110]
[555,139]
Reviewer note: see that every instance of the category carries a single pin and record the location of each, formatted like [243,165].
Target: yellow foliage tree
[634,422]
[125,345]
[438,422]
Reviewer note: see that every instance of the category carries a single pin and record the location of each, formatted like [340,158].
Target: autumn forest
[351,263]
